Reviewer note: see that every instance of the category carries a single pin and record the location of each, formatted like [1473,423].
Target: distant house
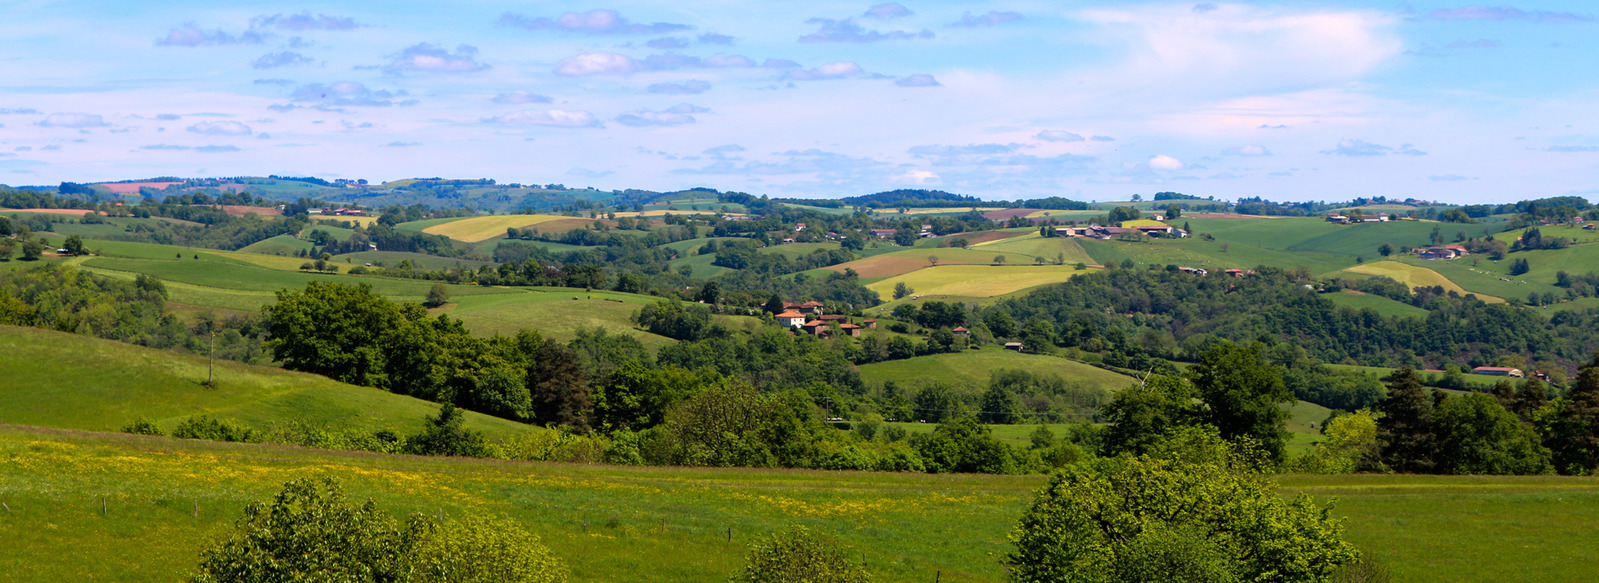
[962,331]
[799,227]
[1157,231]
[833,318]
[1234,272]
[788,240]
[850,329]
[1441,252]
[1498,371]
[1338,218]
[869,323]
[1017,346]
[805,308]
[883,233]
[1193,270]
[791,319]
[816,327]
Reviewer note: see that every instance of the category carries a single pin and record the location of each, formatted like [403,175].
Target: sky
[1324,100]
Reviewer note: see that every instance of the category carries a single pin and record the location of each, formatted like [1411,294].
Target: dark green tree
[446,434]
[331,329]
[1519,266]
[1243,395]
[1477,436]
[438,295]
[1139,417]
[1534,394]
[999,406]
[965,446]
[73,245]
[32,250]
[1575,437]
[1406,433]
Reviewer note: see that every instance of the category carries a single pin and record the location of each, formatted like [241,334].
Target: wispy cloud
[220,128]
[1358,148]
[839,70]
[846,31]
[599,21]
[428,58]
[597,64]
[347,93]
[520,96]
[1449,178]
[689,87]
[73,120]
[711,38]
[1248,150]
[676,115]
[667,42]
[993,18]
[17,111]
[547,117]
[281,59]
[917,80]
[304,21]
[1058,136]
[1503,13]
[1571,149]
[190,34]
[399,144]
[888,11]
[213,149]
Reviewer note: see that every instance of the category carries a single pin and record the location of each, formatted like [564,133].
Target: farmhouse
[816,327]
[850,329]
[1440,252]
[1017,346]
[833,318]
[791,319]
[1193,270]
[1498,371]
[883,233]
[962,331]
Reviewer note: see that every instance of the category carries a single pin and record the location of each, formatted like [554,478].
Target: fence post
[196,508]
[102,506]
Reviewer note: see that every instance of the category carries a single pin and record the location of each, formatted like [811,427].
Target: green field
[285,245]
[794,250]
[553,312]
[1382,305]
[972,367]
[976,280]
[420,260]
[79,382]
[165,500]
[475,229]
[1414,276]
[1031,244]
[699,266]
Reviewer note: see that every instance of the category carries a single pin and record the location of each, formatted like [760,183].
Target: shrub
[486,550]
[1195,509]
[447,434]
[311,532]
[204,427]
[800,554]
[143,426]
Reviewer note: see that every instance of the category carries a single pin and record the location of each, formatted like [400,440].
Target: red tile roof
[791,315]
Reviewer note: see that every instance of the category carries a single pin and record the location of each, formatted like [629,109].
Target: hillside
[971,368]
[78,382]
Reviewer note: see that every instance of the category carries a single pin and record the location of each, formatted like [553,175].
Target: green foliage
[728,425]
[204,427]
[800,555]
[964,446]
[1139,417]
[486,550]
[438,295]
[901,290]
[1575,435]
[1243,395]
[1478,436]
[1519,266]
[142,426]
[1349,444]
[1204,515]
[311,532]
[1405,430]
[671,319]
[446,434]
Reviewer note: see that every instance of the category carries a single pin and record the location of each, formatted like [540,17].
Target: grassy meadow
[976,280]
[167,499]
[474,229]
[971,368]
[1382,305]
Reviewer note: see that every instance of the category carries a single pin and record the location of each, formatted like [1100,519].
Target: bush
[799,555]
[447,434]
[1195,509]
[143,426]
[204,427]
[311,532]
[487,550]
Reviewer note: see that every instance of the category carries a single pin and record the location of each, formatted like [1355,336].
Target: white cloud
[597,64]
[888,11]
[676,115]
[304,21]
[1164,162]
[520,96]
[1058,136]
[220,128]
[73,120]
[548,117]
[191,35]
[600,21]
[846,31]
[1248,150]
[1361,148]
[281,59]
[425,57]
[993,18]
[689,87]
[838,70]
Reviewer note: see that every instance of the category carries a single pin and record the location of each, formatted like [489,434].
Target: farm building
[1498,371]
[805,308]
[962,331]
[850,329]
[791,319]
[1017,346]
[883,233]
[816,327]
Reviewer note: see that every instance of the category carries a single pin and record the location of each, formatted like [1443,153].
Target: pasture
[285,245]
[1413,276]
[79,382]
[1032,244]
[474,229]
[972,368]
[1382,305]
[976,280]
[905,261]
[167,499]
[554,312]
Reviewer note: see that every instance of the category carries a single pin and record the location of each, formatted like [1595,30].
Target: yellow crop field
[480,228]
[1414,276]
[1032,244]
[664,212]
[902,262]
[363,221]
[976,280]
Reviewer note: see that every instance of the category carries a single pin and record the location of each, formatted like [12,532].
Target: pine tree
[1533,395]
[1576,439]
[1505,394]
[1405,432]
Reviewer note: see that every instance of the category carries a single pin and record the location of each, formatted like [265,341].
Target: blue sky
[1087,100]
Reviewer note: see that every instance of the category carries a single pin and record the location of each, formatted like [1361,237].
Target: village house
[799,227]
[791,319]
[805,308]
[850,329]
[833,318]
[1498,371]
[883,233]
[816,327]
[1440,252]
[962,331]
[1193,270]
